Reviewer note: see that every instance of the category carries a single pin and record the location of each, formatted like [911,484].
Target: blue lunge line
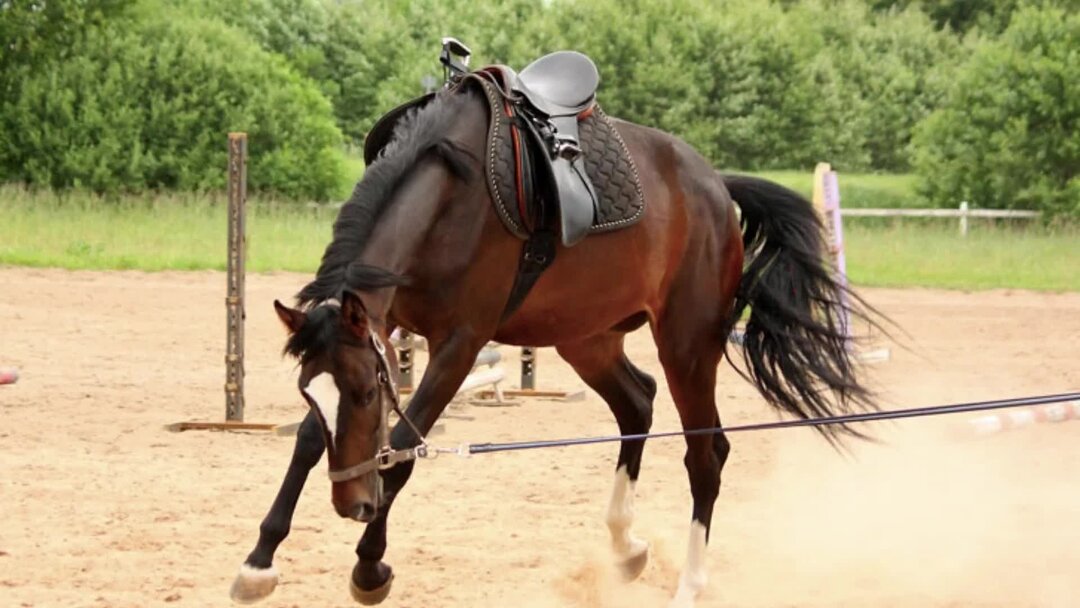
[915,412]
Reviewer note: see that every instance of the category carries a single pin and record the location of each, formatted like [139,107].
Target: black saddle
[560,87]
[552,94]
[560,84]
[548,143]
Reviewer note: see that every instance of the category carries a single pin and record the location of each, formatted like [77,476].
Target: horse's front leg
[258,577]
[451,362]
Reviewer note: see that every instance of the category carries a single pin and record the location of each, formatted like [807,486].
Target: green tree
[891,71]
[1008,135]
[147,104]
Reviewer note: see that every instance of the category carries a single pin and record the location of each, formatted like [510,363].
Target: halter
[389,401]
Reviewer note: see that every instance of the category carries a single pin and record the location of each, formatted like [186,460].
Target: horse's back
[615,276]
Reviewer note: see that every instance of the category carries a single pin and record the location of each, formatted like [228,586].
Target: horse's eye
[369,396]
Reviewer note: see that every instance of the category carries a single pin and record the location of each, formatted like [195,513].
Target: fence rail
[964,212]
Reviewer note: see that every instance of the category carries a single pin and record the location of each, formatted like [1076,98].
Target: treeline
[981,99]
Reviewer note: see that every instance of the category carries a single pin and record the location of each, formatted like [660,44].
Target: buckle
[384,458]
[568,150]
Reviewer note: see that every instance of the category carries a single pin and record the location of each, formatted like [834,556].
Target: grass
[932,254]
[171,232]
[187,232]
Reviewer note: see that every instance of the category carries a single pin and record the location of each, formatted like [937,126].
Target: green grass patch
[932,254]
[188,232]
[165,232]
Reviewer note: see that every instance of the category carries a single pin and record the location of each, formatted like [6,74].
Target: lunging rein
[467,449]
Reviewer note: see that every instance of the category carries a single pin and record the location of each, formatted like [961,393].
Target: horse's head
[345,377]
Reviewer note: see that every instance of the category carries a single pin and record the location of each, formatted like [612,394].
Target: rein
[466,449]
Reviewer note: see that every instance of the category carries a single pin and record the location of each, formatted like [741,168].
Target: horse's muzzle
[363,512]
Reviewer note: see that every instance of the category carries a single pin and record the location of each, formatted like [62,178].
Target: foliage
[1008,136]
[130,94]
[149,107]
[877,76]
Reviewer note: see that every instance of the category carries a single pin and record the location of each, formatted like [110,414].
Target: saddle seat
[559,84]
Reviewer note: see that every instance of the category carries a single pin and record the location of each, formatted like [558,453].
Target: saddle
[555,161]
[555,164]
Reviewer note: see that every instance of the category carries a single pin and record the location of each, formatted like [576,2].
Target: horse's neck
[398,240]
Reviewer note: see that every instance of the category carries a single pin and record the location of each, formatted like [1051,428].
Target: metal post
[234,299]
[528,367]
[405,359]
[963,218]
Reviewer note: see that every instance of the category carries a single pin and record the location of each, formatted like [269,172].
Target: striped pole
[990,424]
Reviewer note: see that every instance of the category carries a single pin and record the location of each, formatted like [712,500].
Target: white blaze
[324,392]
[694,577]
[621,515]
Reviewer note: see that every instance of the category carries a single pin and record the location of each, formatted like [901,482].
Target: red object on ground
[8,375]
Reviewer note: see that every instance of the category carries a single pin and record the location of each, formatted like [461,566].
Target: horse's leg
[629,392]
[258,577]
[691,374]
[451,361]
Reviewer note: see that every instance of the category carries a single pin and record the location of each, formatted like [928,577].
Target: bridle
[389,400]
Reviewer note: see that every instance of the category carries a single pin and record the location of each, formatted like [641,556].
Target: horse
[419,246]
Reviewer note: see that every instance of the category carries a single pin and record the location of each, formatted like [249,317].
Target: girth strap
[537,254]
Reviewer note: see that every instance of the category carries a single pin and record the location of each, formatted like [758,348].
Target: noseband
[389,401]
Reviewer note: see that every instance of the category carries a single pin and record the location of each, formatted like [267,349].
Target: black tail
[795,346]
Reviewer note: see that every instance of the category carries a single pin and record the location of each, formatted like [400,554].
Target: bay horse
[419,246]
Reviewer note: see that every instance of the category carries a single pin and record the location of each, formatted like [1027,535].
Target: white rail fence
[964,212]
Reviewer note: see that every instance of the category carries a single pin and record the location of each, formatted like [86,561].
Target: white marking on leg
[694,576]
[253,584]
[621,514]
[323,390]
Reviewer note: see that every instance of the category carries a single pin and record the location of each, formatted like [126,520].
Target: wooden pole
[234,298]
[528,367]
[405,360]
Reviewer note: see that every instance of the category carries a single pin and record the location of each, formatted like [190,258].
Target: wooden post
[234,299]
[405,360]
[234,304]
[963,218]
[528,367]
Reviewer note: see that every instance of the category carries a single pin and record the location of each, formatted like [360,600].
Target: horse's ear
[354,314]
[292,318]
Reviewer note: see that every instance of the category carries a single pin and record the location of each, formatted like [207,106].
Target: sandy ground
[100,507]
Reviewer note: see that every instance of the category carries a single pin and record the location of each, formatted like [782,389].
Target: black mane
[421,131]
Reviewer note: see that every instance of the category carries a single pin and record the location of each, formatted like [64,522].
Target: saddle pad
[607,163]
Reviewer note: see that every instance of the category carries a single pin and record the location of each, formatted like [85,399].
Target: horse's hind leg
[258,577]
[629,392]
[691,374]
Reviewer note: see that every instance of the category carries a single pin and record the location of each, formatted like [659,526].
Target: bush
[148,104]
[1008,135]
[370,56]
[891,71]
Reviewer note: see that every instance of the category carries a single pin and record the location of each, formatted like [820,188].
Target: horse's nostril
[363,512]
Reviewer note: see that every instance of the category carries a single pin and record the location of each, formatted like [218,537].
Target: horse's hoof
[253,584]
[634,564]
[371,597]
